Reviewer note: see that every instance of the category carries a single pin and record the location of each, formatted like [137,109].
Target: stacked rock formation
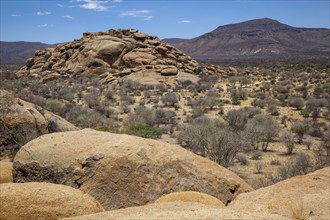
[110,55]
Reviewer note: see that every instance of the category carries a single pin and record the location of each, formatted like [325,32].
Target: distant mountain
[18,52]
[260,39]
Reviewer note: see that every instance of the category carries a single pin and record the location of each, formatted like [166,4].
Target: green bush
[143,130]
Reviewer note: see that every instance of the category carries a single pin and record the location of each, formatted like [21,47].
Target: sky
[51,21]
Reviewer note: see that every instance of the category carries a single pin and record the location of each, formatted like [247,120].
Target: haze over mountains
[255,40]
[260,39]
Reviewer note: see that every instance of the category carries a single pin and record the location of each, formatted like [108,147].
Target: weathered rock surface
[22,121]
[6,172]
[109,54]
[307,195]
[122,170]
[178,210]
[191,196]
[44,201]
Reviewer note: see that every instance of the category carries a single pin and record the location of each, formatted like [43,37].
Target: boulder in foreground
[300,197]
[44,201]
[178,210]
[122,170]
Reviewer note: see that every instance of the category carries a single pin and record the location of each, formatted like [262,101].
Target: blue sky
[52,21]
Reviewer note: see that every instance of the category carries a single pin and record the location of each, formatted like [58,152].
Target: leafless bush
[300,165]
[259,166]
[288,138]
[242,159]
[170,99]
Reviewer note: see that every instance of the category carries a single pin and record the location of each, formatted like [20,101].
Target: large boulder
[178,210]
[21,121]
[6,172]
[301,197]
[122,170]
[44,201]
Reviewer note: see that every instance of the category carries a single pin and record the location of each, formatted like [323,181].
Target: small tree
[170,99]
[237,119]
[211,99]
[300,128]
[297,102]
[288,138]
[261,130]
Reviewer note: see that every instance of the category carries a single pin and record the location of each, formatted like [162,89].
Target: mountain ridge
[259,39]
[16,52]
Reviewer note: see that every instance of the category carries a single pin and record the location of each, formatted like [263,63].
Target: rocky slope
[20,201]
[122,170]
[111,55]
[260,39]
[21,121]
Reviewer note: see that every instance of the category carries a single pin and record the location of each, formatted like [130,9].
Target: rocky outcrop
[122,170]
[301,197]
[191,196]
[110,55]
[6,172]
[44,201]
[178,210]
[22,121]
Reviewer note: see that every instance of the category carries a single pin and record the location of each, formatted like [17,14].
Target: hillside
[260,39]
[18,52]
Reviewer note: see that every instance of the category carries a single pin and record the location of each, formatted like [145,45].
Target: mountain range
[250,41]
[260,39]
[18,52]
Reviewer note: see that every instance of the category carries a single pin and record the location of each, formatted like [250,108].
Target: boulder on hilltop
[122,170]
[21,121]
[112,55]
[21,201]
[301,197]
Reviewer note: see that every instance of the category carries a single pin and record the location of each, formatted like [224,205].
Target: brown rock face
[21,122]
[301,197]
[6,172]
[179,210]
[122,170]
[44,201]
[109,54]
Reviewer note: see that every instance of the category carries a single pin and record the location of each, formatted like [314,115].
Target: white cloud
[65,6]
[41,13]
[67,16]
[42,25]
[16,15]
[144,14]
[94,6]
[184,22]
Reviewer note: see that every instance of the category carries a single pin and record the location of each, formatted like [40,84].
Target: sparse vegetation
[228,117]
